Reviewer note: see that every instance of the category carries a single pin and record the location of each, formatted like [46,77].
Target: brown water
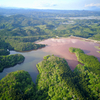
[60,47]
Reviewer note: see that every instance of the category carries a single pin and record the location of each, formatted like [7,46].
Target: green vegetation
[98,51]
[17,86]
[96,37]
[10,60]
[50,27]
[4,52]
[50,24]
[91,63]
[21,28]
[56,80]
[24,46]
[97,47]
[21,43]
[89,81]
[4,45]
[88,75]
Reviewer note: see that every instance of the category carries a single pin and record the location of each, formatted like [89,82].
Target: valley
[49,54]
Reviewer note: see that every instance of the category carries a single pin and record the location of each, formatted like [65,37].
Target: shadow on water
[33,76]
[86,51]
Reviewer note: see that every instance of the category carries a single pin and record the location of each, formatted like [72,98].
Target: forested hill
[55,81]
[17,86]
[20,28]
[50,23]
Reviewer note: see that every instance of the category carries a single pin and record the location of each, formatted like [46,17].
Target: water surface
[29,65]
[58,47]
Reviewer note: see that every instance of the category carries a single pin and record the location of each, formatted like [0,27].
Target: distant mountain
[93,8]
[43,13]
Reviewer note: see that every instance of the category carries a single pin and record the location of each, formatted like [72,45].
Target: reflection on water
[29,65]
[58,47]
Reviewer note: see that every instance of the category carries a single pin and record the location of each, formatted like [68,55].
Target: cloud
[92,4]
[44,4]
[1,5]
[49,5]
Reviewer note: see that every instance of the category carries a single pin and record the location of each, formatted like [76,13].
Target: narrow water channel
[29,65]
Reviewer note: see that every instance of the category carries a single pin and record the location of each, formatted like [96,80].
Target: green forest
[7,60]
[55,81]
[91,63]
[17,86]
[10,60]
[19,31]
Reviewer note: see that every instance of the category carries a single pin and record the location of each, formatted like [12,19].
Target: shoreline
[85,39]
[73,37]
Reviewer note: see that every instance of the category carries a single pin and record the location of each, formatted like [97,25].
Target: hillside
[55,81]
[19,31]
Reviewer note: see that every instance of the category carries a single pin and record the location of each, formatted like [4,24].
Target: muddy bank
[85,39]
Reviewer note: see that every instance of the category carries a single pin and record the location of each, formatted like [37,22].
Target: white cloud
[1,5]
[43,4]
[92,4]
[48,5]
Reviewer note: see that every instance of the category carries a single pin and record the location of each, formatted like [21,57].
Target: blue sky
[51,4]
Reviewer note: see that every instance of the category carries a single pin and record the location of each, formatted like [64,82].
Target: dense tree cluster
[17,86]
[91,63]
[89,81]
[24,46]
[21,43]
[10,60]
[55,82]
[4,45]
[50,25]
[4,52]
[21,28]
[7,60]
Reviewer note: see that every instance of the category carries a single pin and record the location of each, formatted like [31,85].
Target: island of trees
[7,60]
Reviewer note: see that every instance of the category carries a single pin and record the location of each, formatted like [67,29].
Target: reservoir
[29,64]
[59,47]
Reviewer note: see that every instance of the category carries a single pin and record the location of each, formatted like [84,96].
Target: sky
[51,4]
